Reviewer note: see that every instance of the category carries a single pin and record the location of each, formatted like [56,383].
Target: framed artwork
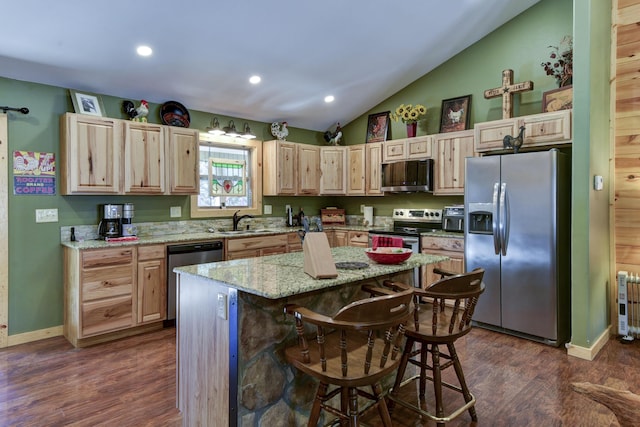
[455,114]
[87,103]
[378,127]
[558,99]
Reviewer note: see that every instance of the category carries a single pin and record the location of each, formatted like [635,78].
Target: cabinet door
[144,171]
[182,159]
[357,168]
[455,264]
[340,238]
[308,169]
[287,168]
[547,128]
[419,147]
[452,149]
[394,150]
[107,315]
[359,239]
[489,135]
[152,290]
[373,169]
[90,154]
[333,165]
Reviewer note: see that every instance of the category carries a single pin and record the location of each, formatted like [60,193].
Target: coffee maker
[111,222]
[128,229]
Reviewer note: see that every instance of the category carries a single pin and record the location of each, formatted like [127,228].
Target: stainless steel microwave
[408,176]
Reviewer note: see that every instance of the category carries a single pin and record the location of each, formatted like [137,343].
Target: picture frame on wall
[455,114]
[378,127]
[558,99]
[87,103]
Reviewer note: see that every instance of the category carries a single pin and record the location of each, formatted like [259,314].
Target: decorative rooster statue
[136,114]
[334,137]
[279,130]
[514,142]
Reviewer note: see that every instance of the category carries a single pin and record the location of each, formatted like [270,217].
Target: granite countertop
[279,276]
[218,235]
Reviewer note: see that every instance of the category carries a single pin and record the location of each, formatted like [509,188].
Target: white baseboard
[41,334]
[589,353]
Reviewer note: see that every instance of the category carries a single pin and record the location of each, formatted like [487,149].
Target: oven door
[408,242]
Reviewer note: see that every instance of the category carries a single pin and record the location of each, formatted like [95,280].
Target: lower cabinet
[359,239]
[112,293]
[152,283]
[250,247]
[294,243]
[453,247]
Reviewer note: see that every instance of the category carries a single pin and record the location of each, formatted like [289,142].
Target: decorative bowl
[388,255]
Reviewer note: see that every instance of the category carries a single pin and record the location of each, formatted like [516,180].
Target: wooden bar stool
[451,301]
[356,348]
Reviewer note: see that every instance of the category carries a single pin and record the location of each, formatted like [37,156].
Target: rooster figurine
[333,138]
[279,130]
[514,142]
[136,114]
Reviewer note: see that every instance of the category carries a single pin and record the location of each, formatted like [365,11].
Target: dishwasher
[187,254]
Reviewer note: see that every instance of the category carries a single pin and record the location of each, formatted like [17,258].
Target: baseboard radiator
[628,305]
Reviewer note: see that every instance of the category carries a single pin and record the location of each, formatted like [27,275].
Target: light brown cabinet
[545,129]
[144,158]
[294,243]
[289,168]
[358,239]
[451,151]
[99,292]
[416,148]
[90,153]
[152,284]
[109,156]
[333,167]
[453,247]
[340,238]
[250,247]
[373,169]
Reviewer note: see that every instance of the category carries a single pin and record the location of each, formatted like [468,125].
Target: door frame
[4,231]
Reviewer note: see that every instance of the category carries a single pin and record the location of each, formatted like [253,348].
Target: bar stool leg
[463,384]
[437,382]
[402,367]
[382,405]
[314,416]
[353,407]
[423,369]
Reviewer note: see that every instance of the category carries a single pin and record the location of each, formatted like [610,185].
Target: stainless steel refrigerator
[518,230]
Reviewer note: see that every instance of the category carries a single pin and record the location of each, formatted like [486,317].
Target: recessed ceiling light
[144,51]
[329,98]
[254,80]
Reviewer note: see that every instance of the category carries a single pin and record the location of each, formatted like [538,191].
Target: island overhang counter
[231,333]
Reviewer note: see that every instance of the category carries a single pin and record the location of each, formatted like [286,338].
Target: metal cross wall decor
[507,90]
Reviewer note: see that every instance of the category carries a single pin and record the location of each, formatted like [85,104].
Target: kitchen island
[232,332]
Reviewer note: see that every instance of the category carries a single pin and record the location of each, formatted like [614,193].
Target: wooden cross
[507,91]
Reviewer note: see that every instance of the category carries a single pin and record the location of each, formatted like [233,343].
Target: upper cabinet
[333,166]
[90,153]
[373,169]
[289,168]
[110,156]
[415,148]
[540,130]
[364,169]
[182,160]
[451,150]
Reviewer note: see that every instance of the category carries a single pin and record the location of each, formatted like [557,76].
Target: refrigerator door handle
[496,215]
[504,218]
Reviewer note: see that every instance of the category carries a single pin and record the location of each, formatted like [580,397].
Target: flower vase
[411,129]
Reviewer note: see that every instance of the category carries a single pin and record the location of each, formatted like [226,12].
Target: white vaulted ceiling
[360,51]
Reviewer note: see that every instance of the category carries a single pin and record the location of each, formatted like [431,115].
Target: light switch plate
[222,306]
[46,215]
[176,211]
[268,209]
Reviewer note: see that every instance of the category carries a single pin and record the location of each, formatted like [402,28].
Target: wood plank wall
[626,85]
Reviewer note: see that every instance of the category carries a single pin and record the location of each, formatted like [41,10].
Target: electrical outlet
[361,208]
[222,306]
[46,215]
[176,211]
[268,209]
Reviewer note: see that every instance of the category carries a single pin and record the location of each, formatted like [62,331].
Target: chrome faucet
[237,219]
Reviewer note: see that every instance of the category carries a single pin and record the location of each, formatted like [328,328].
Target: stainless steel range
[408,224]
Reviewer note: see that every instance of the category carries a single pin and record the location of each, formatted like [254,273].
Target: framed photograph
[558,99]
[378,127]
[87,103]
[455,114]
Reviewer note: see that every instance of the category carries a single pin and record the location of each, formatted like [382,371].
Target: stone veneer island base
[231,333]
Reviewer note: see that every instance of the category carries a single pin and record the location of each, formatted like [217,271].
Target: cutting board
[318,261]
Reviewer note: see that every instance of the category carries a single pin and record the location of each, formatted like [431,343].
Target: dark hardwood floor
[131,382]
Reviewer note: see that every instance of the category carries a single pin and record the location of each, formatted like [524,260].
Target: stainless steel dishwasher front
[187,254]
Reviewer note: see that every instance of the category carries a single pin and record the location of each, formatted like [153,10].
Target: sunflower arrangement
[409,113]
